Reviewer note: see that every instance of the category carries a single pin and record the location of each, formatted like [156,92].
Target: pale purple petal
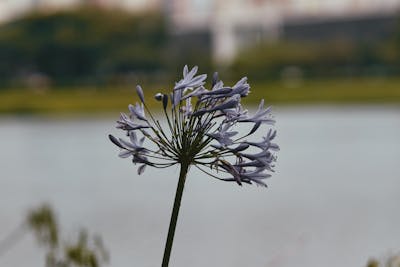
[137,111]
[139,91]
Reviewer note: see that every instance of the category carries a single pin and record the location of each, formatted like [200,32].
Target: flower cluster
[201,130]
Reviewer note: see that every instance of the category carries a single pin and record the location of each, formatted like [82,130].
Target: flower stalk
[175,213]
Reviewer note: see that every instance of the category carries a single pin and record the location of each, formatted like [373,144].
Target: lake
[334,200]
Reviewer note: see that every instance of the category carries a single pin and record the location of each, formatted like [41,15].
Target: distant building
[231,24]
[235,24]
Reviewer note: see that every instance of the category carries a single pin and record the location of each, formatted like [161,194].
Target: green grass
[354,91]
[107,100]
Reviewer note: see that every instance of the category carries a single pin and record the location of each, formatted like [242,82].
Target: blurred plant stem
[175,213]
[13,238]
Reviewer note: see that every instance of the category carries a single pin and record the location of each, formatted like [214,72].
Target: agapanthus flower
[203,127]
[203,130]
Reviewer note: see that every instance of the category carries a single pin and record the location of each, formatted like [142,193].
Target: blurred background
[331,70]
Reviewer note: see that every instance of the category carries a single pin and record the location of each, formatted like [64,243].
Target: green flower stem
[175,212]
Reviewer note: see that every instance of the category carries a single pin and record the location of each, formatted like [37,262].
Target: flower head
[203,127]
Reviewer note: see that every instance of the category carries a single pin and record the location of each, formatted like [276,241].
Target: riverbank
[104,100]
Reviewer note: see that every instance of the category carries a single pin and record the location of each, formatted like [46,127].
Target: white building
[235,23]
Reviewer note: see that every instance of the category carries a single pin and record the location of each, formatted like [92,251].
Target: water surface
[334,200]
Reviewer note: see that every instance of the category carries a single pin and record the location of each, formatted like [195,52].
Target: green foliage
[84,252]
[42,222]
[373,263]
[89,46]
[322,59]
[397,34]
[389,260]
[79,253]
[330,59]
[81,44]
